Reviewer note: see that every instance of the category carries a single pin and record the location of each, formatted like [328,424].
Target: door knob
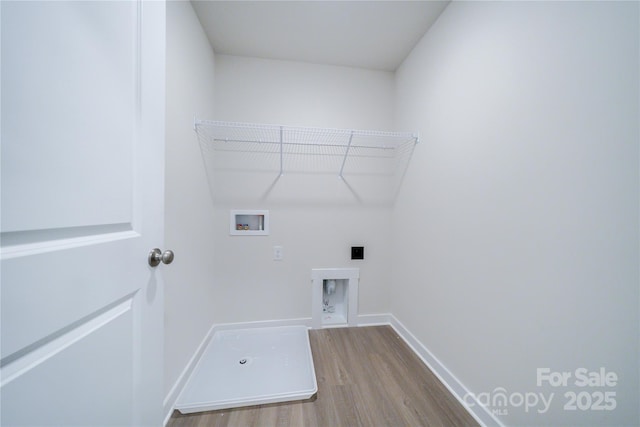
[156,256]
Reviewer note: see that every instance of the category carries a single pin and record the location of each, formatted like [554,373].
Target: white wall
[315,217]
[523,199]
[189,229]
[302,94]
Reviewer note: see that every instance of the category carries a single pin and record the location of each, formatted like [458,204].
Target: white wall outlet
[278,253]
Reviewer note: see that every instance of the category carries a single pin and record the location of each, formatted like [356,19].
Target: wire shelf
[304,149]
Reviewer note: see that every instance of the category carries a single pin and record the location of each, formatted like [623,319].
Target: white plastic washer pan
[251,367]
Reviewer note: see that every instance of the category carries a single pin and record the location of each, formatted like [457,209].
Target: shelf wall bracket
[281,151]
[346,153]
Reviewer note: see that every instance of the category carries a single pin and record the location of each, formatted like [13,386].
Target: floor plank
[366,376]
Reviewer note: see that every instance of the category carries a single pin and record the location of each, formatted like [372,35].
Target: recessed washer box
[249,223]
[334,304]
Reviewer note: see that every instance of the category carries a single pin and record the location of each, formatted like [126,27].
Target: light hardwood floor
[366,376]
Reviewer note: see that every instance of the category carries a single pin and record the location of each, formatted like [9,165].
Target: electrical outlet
[357,252]
[278,253]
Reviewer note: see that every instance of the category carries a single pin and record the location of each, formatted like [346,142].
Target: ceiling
[368,34]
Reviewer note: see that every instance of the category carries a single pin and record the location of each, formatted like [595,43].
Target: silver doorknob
[156,256]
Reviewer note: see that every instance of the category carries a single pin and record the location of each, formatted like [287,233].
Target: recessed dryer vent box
[249,223]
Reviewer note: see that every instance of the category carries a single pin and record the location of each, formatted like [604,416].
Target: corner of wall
[188,203]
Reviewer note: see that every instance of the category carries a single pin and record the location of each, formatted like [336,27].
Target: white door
[82,200]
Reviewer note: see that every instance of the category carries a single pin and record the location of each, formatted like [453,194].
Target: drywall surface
[188,229]
[315,216]
[521,262]
[302,94]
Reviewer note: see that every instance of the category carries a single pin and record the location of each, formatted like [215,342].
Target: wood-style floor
[366,376]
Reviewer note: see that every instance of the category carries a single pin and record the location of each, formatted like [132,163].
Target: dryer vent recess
[357,252]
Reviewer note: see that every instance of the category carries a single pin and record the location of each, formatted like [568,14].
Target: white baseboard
[262,324]
[459,391]
[374,319]
[171,398]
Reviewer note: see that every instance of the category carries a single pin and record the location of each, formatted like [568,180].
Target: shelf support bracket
[281,151]
[346,153]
